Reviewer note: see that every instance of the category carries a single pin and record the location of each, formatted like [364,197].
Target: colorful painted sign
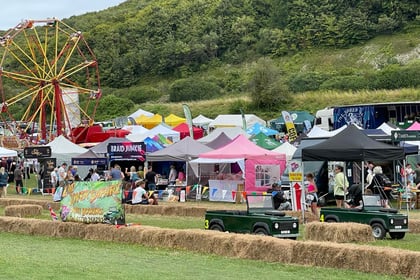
[93,202]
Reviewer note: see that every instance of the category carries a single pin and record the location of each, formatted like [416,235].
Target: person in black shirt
[279,201]
[150,179]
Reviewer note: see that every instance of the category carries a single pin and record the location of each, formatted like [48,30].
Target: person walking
[18,177]
[340,185]
[3,181]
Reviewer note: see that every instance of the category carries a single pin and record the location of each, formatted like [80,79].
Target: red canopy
[184,131]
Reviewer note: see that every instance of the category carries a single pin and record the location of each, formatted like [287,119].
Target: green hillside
[263,56]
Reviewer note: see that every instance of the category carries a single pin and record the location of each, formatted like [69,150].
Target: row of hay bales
[340,232]
[43,203]
[325,254]
[166,210]
[174,210]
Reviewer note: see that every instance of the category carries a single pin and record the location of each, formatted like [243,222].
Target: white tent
[162,129]
[135,129]
[286,148]
[201,121]
[230,132]
[64,150]
[236,120]
[317,132]
[387,128]
[7,153]
[140,112]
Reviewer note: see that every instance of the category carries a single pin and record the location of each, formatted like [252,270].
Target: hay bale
[71,230]
[309,216]
[414,225]
[338,232]
[44,204]
[100,232]
[369,259]
[26,210]
[44,227]
[167,210]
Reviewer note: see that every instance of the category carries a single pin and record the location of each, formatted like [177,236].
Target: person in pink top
[311,194]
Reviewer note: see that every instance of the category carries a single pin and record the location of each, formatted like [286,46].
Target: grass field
[124,260]
[37,257]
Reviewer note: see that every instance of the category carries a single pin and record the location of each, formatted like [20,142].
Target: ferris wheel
[49,79]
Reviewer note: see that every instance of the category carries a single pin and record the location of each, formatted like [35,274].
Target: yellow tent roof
[141,118]
[173,120]
[152,121]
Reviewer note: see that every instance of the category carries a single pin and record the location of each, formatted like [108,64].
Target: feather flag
[188,117]
[290,126]
[52,213]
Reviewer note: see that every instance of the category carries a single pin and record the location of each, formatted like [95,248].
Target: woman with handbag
[312,193]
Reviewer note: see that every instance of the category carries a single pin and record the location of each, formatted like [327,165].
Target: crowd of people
[14,171]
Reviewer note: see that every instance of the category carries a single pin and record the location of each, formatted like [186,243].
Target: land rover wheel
[397,235]
[216,227]
[330,220]
[261,231]
[378,231]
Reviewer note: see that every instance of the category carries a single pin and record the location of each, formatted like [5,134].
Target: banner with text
[93,202]
[127,150]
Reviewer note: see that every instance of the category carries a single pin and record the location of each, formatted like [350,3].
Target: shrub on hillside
[193,89]
[395,76]
[236,106]
[143,94]
[308,81]
[351,82]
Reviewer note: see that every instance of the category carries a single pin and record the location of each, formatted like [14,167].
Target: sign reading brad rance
[127,150]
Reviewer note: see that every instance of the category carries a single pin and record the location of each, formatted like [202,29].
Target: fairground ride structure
[49,79]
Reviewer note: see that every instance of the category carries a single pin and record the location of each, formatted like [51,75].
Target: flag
[243,119]
[52,213]
[188,117]
[290,126]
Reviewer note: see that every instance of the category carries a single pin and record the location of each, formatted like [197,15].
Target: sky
[14,11]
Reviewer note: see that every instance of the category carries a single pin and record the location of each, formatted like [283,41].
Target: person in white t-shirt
[62,174]
[140,195]
[172,175]
[54,178]
[95,176]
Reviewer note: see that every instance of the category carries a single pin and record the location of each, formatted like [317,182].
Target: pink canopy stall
[414,126]
[239,162]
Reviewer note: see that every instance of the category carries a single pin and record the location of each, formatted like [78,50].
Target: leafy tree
[266,87]
[112,106]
